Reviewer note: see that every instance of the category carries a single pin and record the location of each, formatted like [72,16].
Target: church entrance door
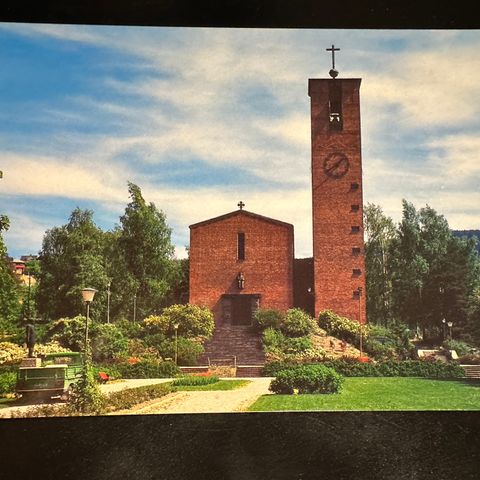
[239,309]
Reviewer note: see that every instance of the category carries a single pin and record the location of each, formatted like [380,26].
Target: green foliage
[192,321]
[7,382]
[130,397]
[460,347]
[267,318]
[130,329]
[69,332]
[9,288]
[406,368]
[297,323]
[307,379]
[148,369]
[188,350]
[143,244]
[193,380]
[275,341]
[86,397]
[110,369]
[10,353]
[108,342]
[72,258]
[380,232]
[338,326]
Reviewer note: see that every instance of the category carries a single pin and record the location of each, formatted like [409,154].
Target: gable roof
[245,213]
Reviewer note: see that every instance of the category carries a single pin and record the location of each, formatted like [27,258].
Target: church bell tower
[337,205]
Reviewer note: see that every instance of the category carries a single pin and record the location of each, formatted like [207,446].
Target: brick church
[242,261]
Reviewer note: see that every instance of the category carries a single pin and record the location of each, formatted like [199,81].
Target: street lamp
[134,307]
[443,323]
[108,301]
[450,325]
[175,326]
[87,294]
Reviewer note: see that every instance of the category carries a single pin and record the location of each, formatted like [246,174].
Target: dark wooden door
[242,310]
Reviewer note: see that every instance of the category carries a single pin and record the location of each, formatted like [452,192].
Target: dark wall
[302,281]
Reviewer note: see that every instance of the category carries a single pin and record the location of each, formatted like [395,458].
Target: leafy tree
[72,258]
[9,288]
[145,248]
[381,232]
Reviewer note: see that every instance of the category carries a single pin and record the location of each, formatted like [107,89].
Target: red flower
[133,360]
[363,359]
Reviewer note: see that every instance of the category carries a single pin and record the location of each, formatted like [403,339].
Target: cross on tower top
[240,205]
[333,73]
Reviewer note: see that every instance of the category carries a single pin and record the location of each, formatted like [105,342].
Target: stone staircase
[472,371]
[239,344]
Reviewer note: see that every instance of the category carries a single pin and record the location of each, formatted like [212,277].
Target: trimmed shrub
[354,368]
[297,323]
[276,342]
[148,369]
[192,320]
[108,343]
[194,380]
[307,379]
[8,381]
[130,397]
[267,318]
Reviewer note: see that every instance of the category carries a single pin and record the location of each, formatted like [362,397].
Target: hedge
[307,379]
[405,368]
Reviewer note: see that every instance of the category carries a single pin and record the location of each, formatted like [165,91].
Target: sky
[201,118]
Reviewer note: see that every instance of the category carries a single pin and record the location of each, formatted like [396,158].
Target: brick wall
[267,268]
[333,216]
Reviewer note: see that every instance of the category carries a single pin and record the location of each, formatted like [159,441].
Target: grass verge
[381,393]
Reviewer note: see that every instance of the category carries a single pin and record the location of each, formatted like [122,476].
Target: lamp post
[443,324]
[359,290]
[175,326]
[134,307]
[450,325]
[87,294]
[108,301]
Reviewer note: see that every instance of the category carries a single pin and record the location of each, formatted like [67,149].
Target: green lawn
[381,393]
[220,385]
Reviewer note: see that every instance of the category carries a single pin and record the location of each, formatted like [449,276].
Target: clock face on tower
[336,165]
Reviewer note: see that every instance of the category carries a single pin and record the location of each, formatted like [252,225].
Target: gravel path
[205,401]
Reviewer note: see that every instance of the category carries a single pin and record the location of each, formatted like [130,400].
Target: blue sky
[202,118]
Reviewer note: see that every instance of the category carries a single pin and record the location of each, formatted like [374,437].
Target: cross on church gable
[240,205]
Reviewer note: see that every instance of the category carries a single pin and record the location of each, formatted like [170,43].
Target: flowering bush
[337,326]
[192,321]
[297,323]
[50,347]
[11,353]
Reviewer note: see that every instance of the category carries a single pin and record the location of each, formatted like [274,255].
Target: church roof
[245,213]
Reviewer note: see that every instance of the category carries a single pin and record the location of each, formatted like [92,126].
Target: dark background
[303,446]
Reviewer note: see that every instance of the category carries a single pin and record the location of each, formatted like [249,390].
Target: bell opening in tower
[335,106]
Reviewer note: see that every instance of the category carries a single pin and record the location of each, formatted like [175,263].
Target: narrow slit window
[241,246]
[355,207]
[354,186]
[355,229]
[356,251]
[356,272]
